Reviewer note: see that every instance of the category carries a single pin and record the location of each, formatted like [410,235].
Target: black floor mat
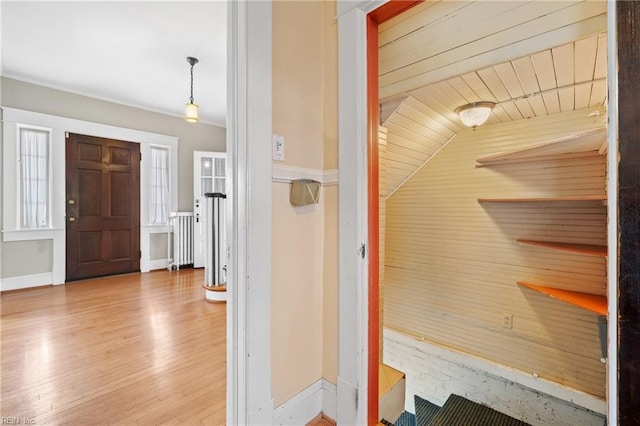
[406,419]
[459,411]
[425,411]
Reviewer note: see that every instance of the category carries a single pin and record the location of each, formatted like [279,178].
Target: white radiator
[180,240]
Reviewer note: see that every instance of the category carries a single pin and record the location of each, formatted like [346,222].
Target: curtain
[159,186]
[34,173]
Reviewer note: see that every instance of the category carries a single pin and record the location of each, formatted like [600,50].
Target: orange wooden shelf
[591,302]
[591,142]
[591,250]
[544,199]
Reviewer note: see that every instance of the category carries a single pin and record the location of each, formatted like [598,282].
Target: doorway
[208,176]
[102,207]
[355,184]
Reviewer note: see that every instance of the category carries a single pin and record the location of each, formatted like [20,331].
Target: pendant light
[191,109]
[475,114]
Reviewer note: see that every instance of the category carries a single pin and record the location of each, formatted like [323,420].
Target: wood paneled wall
[414,135]
[382,212]
[451,264]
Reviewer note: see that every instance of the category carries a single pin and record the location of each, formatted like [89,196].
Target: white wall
[304,273]
[434,373]
[30,97]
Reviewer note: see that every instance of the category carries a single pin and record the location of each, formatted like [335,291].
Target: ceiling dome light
[191,109]
[475,114]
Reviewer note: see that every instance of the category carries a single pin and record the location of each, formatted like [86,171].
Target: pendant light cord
[191,98]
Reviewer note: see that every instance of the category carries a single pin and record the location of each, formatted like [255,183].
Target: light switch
[278,147]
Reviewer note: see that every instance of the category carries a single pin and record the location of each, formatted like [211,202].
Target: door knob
[71,202]
[72,219]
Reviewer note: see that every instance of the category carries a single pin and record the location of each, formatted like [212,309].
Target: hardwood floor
[132,349]
[322,420]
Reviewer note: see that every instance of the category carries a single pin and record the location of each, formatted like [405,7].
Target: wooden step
[391,393]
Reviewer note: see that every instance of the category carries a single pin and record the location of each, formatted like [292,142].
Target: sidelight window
[159,186]
[35,178]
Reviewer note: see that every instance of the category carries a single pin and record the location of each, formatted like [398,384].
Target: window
[159,186]
[212,169]
[34,178]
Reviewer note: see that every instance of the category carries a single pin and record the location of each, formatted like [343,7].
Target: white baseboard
[157,264]
[434,372]
[46,278]
[263,415]
[26,281]
[318,398]
[329,399]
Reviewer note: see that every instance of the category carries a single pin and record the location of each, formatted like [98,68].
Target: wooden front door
[102,206]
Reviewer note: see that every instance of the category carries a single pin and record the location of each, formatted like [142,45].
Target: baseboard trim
[286,174]
[569,395]
[302,408]
[262,415]
[26,281]
[156,264]
[318,398]
[329,399]
[46,278]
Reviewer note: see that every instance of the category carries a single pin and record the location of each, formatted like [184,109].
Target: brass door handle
[72,219]
[71,202]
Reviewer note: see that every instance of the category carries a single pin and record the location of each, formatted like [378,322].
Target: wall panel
[382,185]
[451,264]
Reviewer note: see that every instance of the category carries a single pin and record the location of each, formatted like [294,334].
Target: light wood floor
[134,349]
[322,420]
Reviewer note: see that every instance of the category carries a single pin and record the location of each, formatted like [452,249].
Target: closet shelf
[592,142]
[591,302]
[598,198]
[590,250]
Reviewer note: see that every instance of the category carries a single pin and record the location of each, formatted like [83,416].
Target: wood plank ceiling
[532,58]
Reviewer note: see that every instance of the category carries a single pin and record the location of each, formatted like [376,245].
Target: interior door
[208,176]
[103,206]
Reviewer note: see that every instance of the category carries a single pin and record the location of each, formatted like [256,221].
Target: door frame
[358,207]
[357,274]
[248,184]
[612,215]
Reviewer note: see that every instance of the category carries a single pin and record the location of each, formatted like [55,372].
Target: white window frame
[19,177]
[146,227]
[59,126]
[154,147]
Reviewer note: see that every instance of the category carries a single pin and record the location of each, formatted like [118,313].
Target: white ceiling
[531,58]
[123,51]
